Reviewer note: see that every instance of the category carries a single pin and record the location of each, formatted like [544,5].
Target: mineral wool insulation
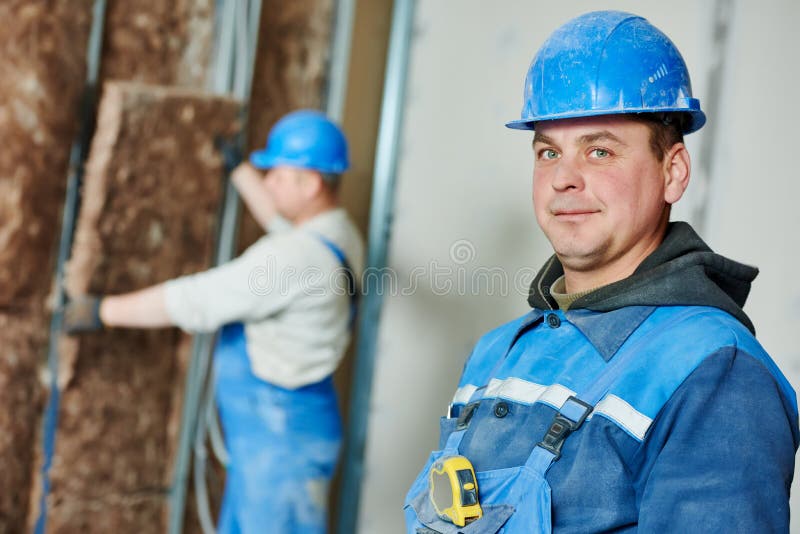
[42,67]
[150,201]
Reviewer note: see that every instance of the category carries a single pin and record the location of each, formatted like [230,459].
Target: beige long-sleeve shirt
[289,290]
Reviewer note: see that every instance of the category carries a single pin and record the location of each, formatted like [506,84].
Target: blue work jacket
[695,432]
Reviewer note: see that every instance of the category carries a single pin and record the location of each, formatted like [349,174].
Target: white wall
[754,210]
[463,200]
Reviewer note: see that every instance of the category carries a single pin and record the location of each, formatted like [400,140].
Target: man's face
[599,192]
[288,187]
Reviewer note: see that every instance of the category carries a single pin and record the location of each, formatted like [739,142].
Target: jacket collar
[682,271]
[606,331]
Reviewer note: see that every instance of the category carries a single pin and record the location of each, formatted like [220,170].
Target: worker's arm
[720,456]
[145,308]
[249,182]
[260,282]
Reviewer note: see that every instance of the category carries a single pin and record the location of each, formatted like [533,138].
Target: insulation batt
[150,202]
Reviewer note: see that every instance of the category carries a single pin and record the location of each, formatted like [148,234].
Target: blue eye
[548,153]
[600,153]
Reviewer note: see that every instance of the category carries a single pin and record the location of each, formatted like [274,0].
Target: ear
[312,183]
[677,169]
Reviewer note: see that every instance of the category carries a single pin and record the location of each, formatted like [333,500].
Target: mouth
[573,214]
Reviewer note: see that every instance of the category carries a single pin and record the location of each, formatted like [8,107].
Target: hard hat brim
[696,117]
[261,159]
[265,160]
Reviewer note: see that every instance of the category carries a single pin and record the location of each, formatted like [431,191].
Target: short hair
[331,180]
[666,130]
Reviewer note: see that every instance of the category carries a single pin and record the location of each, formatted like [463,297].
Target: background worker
[634,395]
[286,306]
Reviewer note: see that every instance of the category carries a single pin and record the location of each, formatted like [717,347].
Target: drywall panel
[363,103]
[361,117]
[753,212]
[464,243]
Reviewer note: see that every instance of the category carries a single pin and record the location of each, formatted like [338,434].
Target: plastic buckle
[466,414]
[562,426]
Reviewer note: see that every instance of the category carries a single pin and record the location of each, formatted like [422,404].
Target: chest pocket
[516,499]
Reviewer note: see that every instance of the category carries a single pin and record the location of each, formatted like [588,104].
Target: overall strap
[352,288]
[578,407]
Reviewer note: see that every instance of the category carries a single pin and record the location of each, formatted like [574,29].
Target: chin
[575,243]
[579,258]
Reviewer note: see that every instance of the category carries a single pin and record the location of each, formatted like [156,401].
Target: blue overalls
[283,443]
[553,393]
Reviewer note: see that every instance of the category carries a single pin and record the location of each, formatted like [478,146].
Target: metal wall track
[377,249]
[77,158]
[236,38]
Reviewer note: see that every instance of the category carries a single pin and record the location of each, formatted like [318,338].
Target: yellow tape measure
[454,490]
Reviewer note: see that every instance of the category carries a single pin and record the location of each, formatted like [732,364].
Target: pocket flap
[494,517]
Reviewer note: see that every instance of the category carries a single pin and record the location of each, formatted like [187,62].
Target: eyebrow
[541,138]
[602,135]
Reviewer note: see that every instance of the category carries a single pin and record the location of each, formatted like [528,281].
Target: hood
[682,271]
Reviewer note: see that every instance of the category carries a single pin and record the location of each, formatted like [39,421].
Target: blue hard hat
[306,139]
[607,63]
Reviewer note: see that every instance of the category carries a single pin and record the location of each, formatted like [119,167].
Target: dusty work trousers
[283,446]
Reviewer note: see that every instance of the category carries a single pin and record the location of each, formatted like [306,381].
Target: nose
[567,175]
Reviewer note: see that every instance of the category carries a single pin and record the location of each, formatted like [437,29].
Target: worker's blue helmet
[607,63]
[306,139]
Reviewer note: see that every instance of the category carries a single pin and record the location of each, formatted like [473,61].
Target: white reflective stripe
[516,389]
[523,391]
[464,393]
[624,415]
[556,395]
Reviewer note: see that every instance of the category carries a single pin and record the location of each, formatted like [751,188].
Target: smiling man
[602,194]
[634,395]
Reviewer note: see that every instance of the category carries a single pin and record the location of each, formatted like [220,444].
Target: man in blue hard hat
[286,308]
[634,395]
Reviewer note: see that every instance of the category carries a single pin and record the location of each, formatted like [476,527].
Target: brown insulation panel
[42,71]
[157,42]
[290,71]
[20,407]
[151,196]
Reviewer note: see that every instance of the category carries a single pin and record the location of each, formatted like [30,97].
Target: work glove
[82,315]
[231,151]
